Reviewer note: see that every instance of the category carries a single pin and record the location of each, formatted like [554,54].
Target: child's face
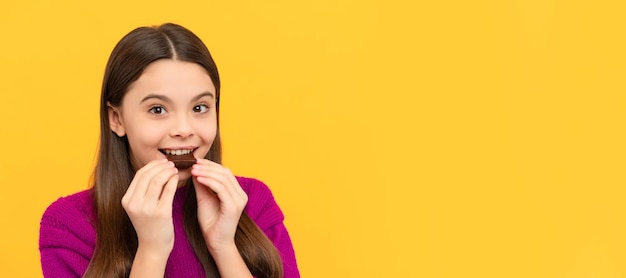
[170,107]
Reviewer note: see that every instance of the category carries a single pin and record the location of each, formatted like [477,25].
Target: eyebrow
[166,99]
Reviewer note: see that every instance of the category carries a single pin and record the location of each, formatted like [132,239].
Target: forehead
[172,78]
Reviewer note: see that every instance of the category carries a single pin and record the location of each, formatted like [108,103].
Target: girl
[145,215]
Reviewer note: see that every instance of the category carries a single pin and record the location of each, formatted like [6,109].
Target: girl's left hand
[220,203]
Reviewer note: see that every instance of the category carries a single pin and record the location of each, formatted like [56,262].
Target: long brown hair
[116,242]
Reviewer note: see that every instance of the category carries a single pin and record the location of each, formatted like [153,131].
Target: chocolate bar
[182,161]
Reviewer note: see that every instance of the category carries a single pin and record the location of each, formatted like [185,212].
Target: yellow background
[401,138]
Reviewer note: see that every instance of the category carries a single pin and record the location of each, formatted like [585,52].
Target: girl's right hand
[148,203]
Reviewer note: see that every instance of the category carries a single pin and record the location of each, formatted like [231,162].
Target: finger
[217,166]
[230,203]
[207,166]
[237,186]
[222,174]
[162,175]
[202,189]
[233,182]
[145,177]
[138,181]
[167,197]
[211,172]
[216,187]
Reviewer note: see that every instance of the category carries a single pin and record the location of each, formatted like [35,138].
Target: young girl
[161,203]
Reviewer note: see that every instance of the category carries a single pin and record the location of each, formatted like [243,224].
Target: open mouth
[182,158]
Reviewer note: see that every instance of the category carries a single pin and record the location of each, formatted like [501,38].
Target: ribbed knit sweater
[68,235]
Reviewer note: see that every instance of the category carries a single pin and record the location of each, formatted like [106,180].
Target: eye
[201,108]
[157,110]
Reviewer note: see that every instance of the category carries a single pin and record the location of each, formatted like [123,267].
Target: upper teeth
[177,152]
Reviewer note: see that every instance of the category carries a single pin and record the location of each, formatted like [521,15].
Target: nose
[181,126]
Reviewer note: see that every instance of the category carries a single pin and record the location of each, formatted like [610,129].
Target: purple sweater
[67,235]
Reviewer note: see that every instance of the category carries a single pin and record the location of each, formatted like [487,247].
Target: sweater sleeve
[66,238]
[265,212]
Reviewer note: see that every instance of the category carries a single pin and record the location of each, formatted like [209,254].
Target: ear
[115,120]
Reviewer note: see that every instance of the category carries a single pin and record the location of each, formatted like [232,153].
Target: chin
[183,176]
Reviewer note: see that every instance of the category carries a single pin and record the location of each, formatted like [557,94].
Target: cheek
[183,175]
[146,135]
[211,133]
[207,134]
[143,142]
[207,131]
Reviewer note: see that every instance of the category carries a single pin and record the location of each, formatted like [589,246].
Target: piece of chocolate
[182,161]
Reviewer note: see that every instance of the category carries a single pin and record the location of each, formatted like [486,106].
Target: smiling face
[169,110]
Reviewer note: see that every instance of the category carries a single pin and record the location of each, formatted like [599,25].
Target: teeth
[177,152]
